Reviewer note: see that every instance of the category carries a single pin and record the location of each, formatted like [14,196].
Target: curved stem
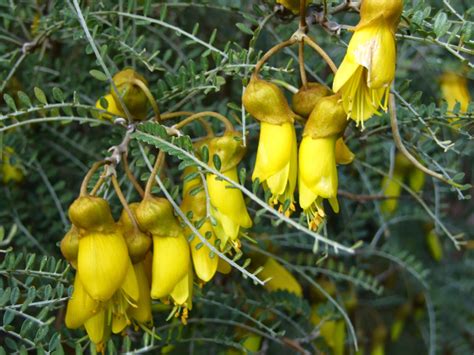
[123,201]
[151,179]
[130,175]
[97,185]
[398,142]
[321,52]
[204,124]
[149,96]
[304,79]
[228,125]
[89,175]
[271,52]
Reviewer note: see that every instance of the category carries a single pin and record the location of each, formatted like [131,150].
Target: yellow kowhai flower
[276,163]
[332,331]
[182,295]
[391,186]
[10,167]
[227,203]
[368,68]
[317,179]
[170,249]
[130,86]
[102,258]
[194,201]
[281,278]
[70,246]
[455,90]
[112,108]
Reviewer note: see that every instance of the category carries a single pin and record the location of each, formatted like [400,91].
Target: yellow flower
[112,108]
[368,68]
[10,167]
[195,202]
[142,312]
[332,331]
[434,245]
[170,249]
[455,89]
[317,177]
[70,246]
[227,207]
[281,278]
[276,163]
[130,85]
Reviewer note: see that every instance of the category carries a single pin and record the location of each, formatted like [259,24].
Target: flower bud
[91,213]
[70,246]
[265,101]
[142,312]
[306,98]
[328,118]
[138,243]
[281,278]
[10,168]
[155,215]
[132,95]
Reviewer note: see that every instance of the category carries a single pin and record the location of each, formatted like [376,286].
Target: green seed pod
[91,213]
[328,118]
[306,98]
[132,94]
[155,215]
[265,101]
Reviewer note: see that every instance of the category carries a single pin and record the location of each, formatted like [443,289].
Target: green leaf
[98,75]
[9,101]
[244,28]
[40,96]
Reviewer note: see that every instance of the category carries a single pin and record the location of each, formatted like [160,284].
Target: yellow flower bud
[182,293]
[368,68]
[454,89]
[70,246]
[103,263]
[97,329]
[265,101]
[10,168]
[281,278]
[276,163]
[91,213]
[111,107]
[227,207]
[306,98]
[392,188]
[170,264]
[132,95]
[416,179]
[434,245]
[317,177]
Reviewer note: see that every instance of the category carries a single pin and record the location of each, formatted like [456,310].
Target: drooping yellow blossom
[391,186]
[70,246]
[102,258]
[368,68]
[434,245]
[455,90]
[344,155]
[170,249]
[182,295]
[250,342]
[227,202]
[281,278]
[112,108]
[332,331]
[10,168]
[142,312]
[194,201]
[128,83]
[317,178]
[276,163]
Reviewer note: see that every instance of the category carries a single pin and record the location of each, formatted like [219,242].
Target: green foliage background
[198,56]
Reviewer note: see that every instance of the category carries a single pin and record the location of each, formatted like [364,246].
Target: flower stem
[151,179]
[123,200]
[130,175]
[89,175]
[149,96]
[228,125]
[321,52]
[270,53]
[205,124]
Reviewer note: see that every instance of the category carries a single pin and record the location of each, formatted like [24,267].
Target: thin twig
[89,175]
[321,52]
[123,200]
[149,184]
[271,52]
